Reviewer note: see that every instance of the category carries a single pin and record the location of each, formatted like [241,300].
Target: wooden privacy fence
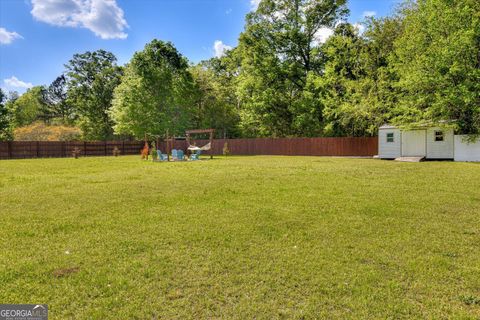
[59,149]
[348,146]
[354,146]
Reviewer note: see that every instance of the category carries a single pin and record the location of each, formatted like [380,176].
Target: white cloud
[360,27]
[228,11]
[102,17]
[254,4]
[13,82]
[220,48]
[6,37]
[367,14]
[323,34]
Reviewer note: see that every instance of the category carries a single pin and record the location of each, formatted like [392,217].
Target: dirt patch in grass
[60,273]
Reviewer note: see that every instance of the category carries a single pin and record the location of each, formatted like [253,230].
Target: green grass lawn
[244,237]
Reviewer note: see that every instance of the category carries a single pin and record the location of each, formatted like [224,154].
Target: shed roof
[419,125]
[388,126]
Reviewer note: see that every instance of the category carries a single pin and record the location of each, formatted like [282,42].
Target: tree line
[421,65]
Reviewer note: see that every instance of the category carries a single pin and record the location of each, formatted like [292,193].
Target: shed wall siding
[465,151]
[389,150]
[440,149]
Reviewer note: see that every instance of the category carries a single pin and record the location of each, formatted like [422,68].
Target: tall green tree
[29,107]
[58,107]
[358,88]
[216,103]
[157,93]
[5,118]
[92,77]
[279,49]
[439,63]
[333,88]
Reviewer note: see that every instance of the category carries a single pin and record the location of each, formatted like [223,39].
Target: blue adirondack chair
[174,154]
[196,155]
[179,154]
[162,156]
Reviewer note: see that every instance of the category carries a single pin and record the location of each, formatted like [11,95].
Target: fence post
[38,149]
[123,147]
[85,148]
[9,147]
[105,147]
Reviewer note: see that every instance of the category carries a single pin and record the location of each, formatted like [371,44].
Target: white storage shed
[422,142]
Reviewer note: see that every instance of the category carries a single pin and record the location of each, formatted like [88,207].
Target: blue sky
[37,37]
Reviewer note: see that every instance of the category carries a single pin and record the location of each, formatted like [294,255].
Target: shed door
[414,143]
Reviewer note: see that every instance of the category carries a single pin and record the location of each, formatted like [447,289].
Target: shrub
[76,152]
[153,151]
[39,131]
[116,151]
[226,151]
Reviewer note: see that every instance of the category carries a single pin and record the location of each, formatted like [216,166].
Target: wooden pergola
[200,131]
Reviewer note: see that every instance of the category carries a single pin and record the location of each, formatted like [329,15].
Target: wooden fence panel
[43,149]
[348,146]
[4,150]
[59,149]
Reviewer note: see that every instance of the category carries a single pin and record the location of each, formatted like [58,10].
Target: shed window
[438,135]
[390,137]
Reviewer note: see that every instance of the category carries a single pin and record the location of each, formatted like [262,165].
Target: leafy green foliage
[156,93]
[55,96]
[439,63]
[92,77]
[279,49]
[216,103]
[5,118]
[420,65]
[153,151]
[29,107]
[357,88]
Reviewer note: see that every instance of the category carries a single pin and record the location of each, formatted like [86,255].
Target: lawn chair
[180,155]
[162,156]
[196,155]
[174,154]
